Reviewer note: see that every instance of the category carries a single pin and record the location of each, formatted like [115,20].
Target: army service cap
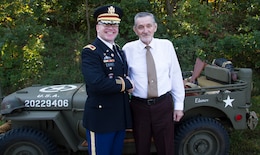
[108,14]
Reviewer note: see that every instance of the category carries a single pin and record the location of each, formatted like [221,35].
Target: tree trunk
[170,6]
[87,18]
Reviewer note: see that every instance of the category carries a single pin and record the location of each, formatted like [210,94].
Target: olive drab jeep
[48,119]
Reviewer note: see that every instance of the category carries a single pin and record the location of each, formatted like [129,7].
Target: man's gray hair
[143,14]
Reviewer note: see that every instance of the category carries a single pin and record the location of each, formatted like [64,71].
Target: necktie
[115,50]
[151,74]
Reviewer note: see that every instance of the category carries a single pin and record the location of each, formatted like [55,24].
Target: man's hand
[130,90]
[177,115]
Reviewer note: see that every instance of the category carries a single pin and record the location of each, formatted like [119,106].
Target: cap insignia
[111,10]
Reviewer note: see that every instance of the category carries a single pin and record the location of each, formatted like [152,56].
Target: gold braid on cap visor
[109,17]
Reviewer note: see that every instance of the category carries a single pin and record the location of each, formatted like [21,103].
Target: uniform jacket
[107,106]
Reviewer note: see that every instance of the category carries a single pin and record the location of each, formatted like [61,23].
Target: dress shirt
[169,75]
[107,43]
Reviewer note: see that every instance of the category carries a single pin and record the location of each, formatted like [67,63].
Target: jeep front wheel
[201,136]
[26,141]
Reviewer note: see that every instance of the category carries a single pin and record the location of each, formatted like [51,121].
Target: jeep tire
[201,136]
[26,141]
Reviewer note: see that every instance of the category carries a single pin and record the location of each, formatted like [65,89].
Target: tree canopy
[41,40]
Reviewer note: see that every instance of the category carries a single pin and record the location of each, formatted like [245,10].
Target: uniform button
[99,106]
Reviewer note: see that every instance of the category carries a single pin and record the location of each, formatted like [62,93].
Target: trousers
[110,143]
[153,122]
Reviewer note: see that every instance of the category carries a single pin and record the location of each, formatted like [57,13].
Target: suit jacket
[107,106]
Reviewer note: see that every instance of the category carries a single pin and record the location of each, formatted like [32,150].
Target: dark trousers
[153,122]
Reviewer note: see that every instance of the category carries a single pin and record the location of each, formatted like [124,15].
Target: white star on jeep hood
[228,101]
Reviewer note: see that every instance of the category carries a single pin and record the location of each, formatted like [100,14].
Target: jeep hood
[52,97]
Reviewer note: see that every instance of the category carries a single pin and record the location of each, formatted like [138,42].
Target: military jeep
[48,119]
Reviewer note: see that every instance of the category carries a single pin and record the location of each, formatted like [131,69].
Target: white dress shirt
[169,75]
[107,43]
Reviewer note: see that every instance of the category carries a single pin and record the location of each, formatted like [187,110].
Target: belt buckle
[150,101]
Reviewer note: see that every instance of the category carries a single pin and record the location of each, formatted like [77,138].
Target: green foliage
[189,48]
[20,45]
[126,26]
[62,58]
[229,30]
[41,40]
[256,85]
[241,47]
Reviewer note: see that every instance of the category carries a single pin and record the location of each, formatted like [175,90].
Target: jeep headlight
[8,105]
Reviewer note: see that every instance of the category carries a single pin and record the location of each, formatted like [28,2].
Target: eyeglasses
[107,25]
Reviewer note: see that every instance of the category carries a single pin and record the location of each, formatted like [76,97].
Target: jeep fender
[54,116]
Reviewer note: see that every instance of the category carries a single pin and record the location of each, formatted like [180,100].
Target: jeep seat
[214,76]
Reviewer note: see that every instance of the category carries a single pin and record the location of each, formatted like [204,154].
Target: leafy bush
[41,41]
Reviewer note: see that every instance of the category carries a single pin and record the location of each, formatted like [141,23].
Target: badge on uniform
[109,61]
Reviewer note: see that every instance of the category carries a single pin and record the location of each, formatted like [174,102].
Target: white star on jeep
[228,101]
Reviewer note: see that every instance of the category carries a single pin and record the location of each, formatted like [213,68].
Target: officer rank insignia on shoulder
[92,47]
